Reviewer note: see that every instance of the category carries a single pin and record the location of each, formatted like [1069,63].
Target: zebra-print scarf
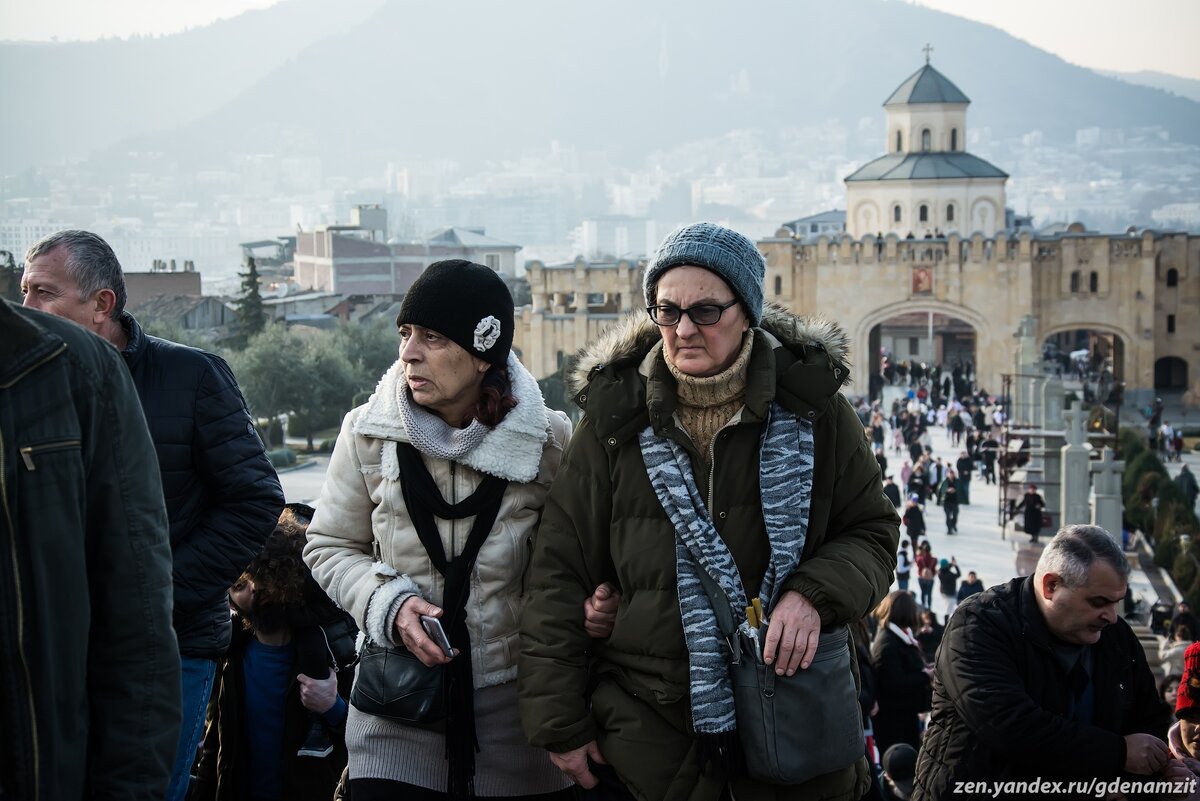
[785,485]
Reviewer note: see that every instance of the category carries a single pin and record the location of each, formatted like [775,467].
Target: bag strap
[723,610]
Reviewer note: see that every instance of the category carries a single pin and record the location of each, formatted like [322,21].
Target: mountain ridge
[476,80]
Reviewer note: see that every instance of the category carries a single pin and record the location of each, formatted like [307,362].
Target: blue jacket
[223,496]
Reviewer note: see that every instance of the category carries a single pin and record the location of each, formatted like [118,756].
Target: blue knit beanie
[719,250]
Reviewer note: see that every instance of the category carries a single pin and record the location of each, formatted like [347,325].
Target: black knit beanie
[465,302]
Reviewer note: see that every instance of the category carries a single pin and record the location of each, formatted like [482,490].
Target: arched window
[1172,277]
[899,142]
[1075,276]
[954,139]
[779,285]
[895,214]
[926,140]
[949,212]
[924,213]
[1094,282]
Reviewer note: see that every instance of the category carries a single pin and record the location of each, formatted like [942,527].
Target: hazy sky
[1124,35]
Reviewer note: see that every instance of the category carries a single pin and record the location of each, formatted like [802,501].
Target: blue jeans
[198,675]
[926,592]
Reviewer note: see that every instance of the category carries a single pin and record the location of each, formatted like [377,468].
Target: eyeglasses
[665,314]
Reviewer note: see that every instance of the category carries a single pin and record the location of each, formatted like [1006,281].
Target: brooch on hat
[486,333]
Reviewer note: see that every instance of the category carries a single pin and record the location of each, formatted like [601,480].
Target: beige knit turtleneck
[707,403]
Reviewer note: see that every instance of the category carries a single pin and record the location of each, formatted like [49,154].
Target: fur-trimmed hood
[635,334]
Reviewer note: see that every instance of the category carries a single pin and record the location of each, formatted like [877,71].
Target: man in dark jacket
[1039,678]
[89,702]
[222,494]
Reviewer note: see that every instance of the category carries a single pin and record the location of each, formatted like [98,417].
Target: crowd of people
[487,601]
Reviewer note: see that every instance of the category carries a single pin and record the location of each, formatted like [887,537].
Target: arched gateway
[957,333]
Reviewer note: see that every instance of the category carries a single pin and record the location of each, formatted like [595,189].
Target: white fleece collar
[904,634]
[511,450]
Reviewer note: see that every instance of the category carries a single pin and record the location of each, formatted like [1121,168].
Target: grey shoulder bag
[792,728]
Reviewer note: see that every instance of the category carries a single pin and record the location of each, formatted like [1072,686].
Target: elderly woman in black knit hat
[423,533]
[718,472]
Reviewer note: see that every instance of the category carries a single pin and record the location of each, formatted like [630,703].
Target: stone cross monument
[1108,511]
[1075,478]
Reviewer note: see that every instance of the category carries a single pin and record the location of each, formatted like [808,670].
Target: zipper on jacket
[712,458]
[20,607]
[48,447]
[453,501]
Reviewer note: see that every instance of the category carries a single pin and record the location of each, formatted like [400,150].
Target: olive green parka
[603,522]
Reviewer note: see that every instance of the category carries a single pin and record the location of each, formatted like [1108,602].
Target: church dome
[926,85]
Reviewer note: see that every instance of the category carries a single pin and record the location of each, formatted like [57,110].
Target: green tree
[371,348]
[10,277]
[252,318]
[272,373]
[176,333]
[333,382]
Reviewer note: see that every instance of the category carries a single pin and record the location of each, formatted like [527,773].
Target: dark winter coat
[968,588]
[89,696]
[902,689]
[1031,506]
[603,521]
[948,579]
[1001,698]
[914,522]
[223,772]
[223,496]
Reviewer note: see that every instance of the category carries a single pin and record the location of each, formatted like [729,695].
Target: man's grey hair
[1074,549]
[91,264]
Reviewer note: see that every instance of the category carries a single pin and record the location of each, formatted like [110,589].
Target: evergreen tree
[252,318]
[10,277]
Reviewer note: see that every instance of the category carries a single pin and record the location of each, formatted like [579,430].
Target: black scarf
[425,502]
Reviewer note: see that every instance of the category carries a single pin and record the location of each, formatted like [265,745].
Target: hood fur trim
[635,334]
[511,450]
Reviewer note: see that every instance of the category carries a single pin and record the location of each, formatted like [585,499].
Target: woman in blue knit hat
[717,471]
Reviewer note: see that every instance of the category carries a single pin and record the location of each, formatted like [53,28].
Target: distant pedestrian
[969,586]
[903,566]
[948,574]
[914,519]
[965,465]
[1186,481]
[927,568]
[891,491]
[1170,652]
[929,635]
[1032,505]
[948,497]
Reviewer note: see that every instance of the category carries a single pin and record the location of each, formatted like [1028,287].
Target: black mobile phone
[433,627]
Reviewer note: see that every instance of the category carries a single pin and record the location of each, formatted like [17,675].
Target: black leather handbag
[392,683]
